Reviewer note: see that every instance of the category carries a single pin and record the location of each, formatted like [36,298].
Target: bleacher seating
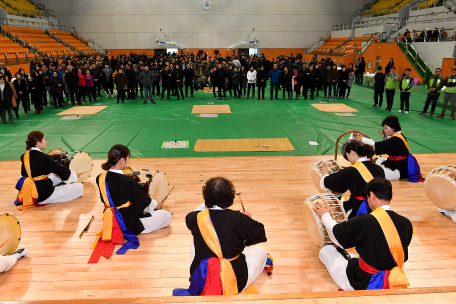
[36,38]
[68,38]
[331,43]
[383,7]
[8,46]
[22,7]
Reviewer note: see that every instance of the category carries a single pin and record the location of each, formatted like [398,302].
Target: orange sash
[28,193]
[403,139]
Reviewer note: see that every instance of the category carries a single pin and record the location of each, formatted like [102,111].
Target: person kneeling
[219,238]
[381,239]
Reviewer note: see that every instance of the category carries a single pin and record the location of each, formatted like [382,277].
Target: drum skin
[316,168]
[440,187]
[82,162]
[10,234]
[159,188]
[313,227]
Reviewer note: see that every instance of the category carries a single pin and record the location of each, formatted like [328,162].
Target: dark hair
[379,68]
[361,149]
[116,153]
[392,122]
[392,67]
[408,69]
[438,69]
[218,191]
[381,187]
[33,138]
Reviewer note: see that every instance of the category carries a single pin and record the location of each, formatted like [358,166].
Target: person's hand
[159,206]
[325,171]
[33,88]
[247,213]
[432,89]
[96,79]
[320,210]
[403,91]
[79,174]
[358,137]
[345,81]
[20,92]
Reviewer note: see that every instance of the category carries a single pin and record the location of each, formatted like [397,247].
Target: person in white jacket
[251,81]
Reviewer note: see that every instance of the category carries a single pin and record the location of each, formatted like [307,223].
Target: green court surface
[143,128]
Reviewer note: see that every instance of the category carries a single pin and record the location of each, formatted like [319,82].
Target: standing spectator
[90,85]
[236,78]
[407,36]
[57,89]
[261,83]
[189,74]
[324,70]
[295,82]
[166,79]
[72,79]
[220,81]
[178,77]
[62,72]
[172,81]
[156,84]
[6,100]
[81,86]
[333,79]
[229,79]
[390,87]
[274,76]
[21,91]
[14,97]
[434,85]
[243,81]
[5,71]
[362,69]
[212,78]
[405,86]
[36,88]
[108,79]
[121,82]
[138,69]
[357,71]
[343,79]
[450,93]
[309,82]
[251,78]
[131,82]
[388,66]
[96,73]
[351,77]
[285,82]
[379,87]
[47,84]
[146,79]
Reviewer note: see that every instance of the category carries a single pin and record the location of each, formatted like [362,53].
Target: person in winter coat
[146,79]
[220,76]
[390,87]
[324,69]
[379,87]
[285,82]
[189,73]
[405,86]
[21,90]
[343,78]
[434,85]
[81,86]
[295,82]
[166,76]
[274,76]
[229,79]
[90,85]
[236,82]
[262,76]
[251,79]
[121,82]
[450,93]
[57,89]
[108,80]
[361,69]
[243,80]
[6,100]
[309,82]
[36,88]
[333,79]
[72,79]
[14,102]
[388,66]
[351,77]
[178,76]
[131,82]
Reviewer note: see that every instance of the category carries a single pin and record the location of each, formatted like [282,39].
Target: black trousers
[390,98]
[274,86]
[82,93]
[324,87]
[261,92]
[221,87]
[167,89]
[141,89]
[109,87]
[37,101]
[357,78]
[178,89]
[405,97]
[97,85]
[307,88]
[120,95]
[3,111]
[251,85]
[285,89]
[237,91]
[58,99]
[131,89]
[342,89]
[91,91]
[378,93]
[155,85]
[188,85]
[74,93]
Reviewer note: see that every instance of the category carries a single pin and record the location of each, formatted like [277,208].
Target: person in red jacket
[81,86]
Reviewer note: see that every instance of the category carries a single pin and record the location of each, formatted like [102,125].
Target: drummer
[136,210]
[353,178]
[381,239]
[8,261]
[397,165]
[42,177]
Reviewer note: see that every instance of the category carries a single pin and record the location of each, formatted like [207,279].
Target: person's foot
[17,116]
[94,100]
[400,111]
[3,123]
[36,112]
[423,113]
[311,98]
[11,122]
[117,101]
[224,98]
[168,98]
[161,98]
[374,105]
[112,95]
[144,102]
[122,101]
[452,117]
[47,106]
[26,113]
[29,109]
[20,253]
[183,98]
[220,98]
[107,95]
[440,116]
[193,96]
[277,98]
[79,103]
[153,102]
[406,112]
[431,113]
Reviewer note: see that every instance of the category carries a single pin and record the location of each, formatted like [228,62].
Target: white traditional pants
[159,219]
[336,265]
[6,262]
[450,213]
[389,174]
[64,193]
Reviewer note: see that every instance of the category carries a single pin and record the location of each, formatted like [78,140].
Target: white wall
[135,23]
[341,34]
[433,52]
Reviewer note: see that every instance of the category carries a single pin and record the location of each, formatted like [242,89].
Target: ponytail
[116,153]
[33,138]
[361,149]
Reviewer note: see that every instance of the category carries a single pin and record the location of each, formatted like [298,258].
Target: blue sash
[197,281]
[364,208]
[414,172]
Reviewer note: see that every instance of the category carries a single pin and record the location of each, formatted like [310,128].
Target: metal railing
[15,58]
[416,5]
[385,21]
[342,27]
[418,62]
[440,35]
[434,18]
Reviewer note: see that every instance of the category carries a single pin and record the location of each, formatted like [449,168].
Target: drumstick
[85,172]
[240,199]
[144,170]
[87,227]
[5,242]
[167,196]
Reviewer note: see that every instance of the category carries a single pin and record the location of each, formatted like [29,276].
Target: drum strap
[114,229]
[365,173]
[403,139]
[397,277]
[218,277]
[28,194]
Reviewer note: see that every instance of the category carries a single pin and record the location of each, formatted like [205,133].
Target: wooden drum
[440,187]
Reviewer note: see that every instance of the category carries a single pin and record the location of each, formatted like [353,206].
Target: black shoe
[423,113]
[168,99]
[122,101]
[311,98]
[374,105]
[153,102]
[144,102]
[224,98]
[193,96]
[430,114]
[161,98]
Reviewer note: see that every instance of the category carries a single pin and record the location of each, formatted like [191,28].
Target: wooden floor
[273,189]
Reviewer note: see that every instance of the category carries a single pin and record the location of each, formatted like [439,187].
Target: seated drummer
[353,178]
[374,236]
[396,146]
[140,217]
[235,230]
[42,177]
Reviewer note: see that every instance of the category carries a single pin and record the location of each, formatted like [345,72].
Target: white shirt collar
[216,208]
[35,148]
[116,171]
[387,207]
[362,159]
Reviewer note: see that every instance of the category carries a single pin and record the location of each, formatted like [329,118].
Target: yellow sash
[403,139]
[227,275]
[106,232]
[365,173]
[397,277]
[28,190]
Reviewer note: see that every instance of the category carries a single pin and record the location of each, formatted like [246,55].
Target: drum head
[441,190]
[316,177]
[10,234]
[159,187]
[82,162]
[313,227]
[55,151]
